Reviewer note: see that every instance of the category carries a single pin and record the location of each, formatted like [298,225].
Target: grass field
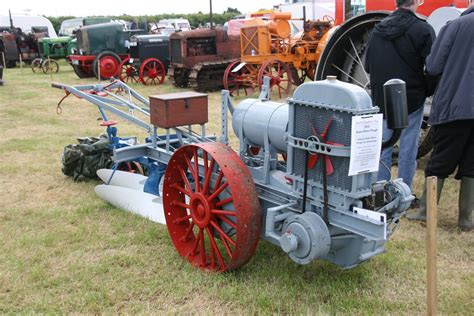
[63,250]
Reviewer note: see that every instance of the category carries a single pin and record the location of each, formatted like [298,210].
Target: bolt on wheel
[211,207]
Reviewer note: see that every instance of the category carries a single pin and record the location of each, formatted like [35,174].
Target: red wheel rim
[213,216]
[280,77]
[243,79]
[109,67]
[152,72]
[128,72]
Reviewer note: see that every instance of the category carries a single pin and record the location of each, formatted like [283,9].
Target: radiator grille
[176,51]
[250,41]
[339,132]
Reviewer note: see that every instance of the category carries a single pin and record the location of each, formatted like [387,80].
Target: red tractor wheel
[213,217]
[128,72]
[152,72]
[242,79]
[109,65]
[280,77]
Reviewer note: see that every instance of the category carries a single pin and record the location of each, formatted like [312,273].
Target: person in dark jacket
[452,113]
[397,48]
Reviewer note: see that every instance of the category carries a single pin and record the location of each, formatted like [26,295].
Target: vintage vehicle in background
[148,61]
[69,27]
[100,49]
[169,26]
[199,57]
[21,43]
[268,48]
[20,46]
[51,49]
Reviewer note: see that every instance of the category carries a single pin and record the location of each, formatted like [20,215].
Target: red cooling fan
[313,159]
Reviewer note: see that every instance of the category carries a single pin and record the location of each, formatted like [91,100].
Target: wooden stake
[431,244]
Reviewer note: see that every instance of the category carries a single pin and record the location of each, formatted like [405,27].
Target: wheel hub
[152,73]
[200,210]
[108,67]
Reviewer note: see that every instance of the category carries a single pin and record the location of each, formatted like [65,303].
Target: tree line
[195,19]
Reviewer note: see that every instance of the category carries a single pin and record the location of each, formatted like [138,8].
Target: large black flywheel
[344,57]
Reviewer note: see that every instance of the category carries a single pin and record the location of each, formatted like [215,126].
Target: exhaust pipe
[396,112]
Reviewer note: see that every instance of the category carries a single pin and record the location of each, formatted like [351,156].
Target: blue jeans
[408,145]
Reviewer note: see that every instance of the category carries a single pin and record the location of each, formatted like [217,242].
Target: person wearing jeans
[408,149]
[397,49]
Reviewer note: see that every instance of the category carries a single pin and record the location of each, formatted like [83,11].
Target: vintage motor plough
[288,183]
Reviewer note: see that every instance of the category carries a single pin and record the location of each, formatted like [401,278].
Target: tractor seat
[108,123]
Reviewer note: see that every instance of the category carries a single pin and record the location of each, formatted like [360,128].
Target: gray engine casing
[301,226]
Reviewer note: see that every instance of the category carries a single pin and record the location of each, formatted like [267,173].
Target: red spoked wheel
[109,64]
[242,79]
[211,207]
[152,72]
[128,72]
[280,77]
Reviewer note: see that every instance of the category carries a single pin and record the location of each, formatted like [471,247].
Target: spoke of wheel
[211,249]
[224,201]
[206,162]
[196,242]
[191,170]
[205,188]
[182,219]
[223,212]
[196,170]
[227,247]
[215,249]
[218,191]
[228,221]
[358,82]
[185,179]
[221,232]
[188,232]
[219,179]
[203,250]
[358,57]
[181,204]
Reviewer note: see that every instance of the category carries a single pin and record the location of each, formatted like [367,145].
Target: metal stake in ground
[431,245]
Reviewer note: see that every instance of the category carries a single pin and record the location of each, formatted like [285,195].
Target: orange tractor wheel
[280,77]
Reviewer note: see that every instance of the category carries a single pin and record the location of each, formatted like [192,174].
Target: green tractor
[100,50]
[51,49]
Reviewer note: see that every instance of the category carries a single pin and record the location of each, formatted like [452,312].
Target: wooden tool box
[178,109]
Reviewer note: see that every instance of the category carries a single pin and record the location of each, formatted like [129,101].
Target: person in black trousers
[452,114]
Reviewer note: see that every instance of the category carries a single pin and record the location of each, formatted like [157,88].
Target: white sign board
[366,144]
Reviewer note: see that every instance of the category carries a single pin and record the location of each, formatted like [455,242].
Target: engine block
[321,212]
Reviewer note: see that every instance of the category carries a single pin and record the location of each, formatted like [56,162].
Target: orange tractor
[268,49]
